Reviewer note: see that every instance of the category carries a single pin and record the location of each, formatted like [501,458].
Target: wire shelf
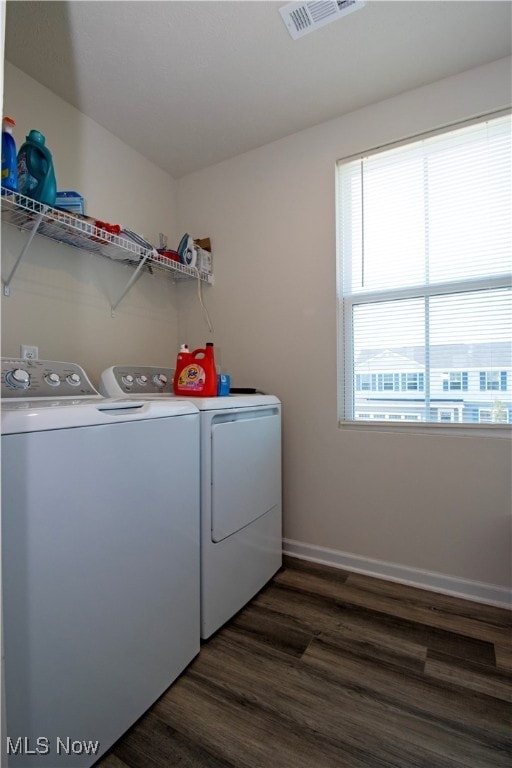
[25,213]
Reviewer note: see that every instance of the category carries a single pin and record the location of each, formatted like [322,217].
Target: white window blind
[424,279]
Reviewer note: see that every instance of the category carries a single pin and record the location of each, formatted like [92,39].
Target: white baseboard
[414,577]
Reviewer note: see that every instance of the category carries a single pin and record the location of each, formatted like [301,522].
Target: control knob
[18,378]
[73,379]
[127,380]
[160,380]
[142,380]
[53,379]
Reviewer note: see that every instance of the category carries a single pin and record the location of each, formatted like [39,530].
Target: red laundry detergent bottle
[195,375]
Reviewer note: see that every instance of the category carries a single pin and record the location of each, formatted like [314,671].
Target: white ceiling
[189,83]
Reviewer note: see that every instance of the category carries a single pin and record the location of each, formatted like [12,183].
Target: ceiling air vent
[301,18]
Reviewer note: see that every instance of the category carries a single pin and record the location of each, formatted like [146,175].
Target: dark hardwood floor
[326,669]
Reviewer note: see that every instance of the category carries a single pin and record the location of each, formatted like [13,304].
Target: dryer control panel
[44,378]
[136,380]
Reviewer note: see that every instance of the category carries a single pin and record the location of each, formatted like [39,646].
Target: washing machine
[241,508]
[100,560]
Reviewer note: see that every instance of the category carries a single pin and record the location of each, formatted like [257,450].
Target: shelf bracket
[130,282]
[7,283]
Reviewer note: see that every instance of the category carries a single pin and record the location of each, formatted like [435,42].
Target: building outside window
[424,279]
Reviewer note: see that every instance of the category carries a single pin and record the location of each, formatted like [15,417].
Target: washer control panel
[136,380]
[44,378]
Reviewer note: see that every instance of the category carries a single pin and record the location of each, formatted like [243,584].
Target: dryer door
[245,468]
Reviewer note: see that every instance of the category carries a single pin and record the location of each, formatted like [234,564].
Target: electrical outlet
[29,353]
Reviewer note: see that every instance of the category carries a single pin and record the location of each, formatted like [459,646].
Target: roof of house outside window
[495,356]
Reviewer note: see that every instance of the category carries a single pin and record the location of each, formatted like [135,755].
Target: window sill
[431,428]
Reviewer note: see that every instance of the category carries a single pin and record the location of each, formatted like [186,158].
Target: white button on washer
[160,379]
[52,379]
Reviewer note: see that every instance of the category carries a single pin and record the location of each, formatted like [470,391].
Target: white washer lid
[37,415]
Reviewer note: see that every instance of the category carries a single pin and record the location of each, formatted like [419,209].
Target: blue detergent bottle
[36,176]
[9,163]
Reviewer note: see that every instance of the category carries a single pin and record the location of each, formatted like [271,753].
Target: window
[425,277]
[386,381]
[495,415]
[412,381]
[364,381]
[455,380]
[493,380]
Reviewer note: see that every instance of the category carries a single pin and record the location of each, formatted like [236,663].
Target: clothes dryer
[241,507]
[100,560]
